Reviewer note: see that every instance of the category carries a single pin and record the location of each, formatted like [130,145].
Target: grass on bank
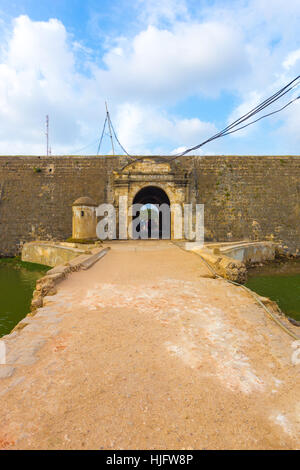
[17,263]
[81,241]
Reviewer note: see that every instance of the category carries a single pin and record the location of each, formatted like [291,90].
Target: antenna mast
[110,133]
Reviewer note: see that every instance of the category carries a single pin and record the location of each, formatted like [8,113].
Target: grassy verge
[18,263]
[82,242]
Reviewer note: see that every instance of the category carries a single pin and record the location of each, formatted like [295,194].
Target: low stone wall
[52,254]
[224,266]
[230,260]
[248,253]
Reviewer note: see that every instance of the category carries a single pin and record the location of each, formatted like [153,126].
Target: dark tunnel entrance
[152,219]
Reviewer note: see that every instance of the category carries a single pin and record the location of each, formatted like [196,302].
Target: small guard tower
[84,219]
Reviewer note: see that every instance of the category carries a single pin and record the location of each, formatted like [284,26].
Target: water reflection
[16,288]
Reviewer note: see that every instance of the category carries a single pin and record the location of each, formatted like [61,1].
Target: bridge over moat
[146,351]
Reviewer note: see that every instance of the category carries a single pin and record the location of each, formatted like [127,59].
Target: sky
[173,72]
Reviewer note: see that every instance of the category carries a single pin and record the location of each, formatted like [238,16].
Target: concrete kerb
[94,258]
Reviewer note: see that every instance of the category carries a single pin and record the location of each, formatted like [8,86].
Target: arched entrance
[154,213]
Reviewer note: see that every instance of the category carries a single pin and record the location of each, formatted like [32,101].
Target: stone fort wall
[253,197]
[250,197]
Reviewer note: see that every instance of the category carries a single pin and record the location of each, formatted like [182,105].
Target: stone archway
[158,224]
[151,172]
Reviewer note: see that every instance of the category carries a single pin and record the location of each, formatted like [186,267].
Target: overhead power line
[235,126]
[230,129]
[264,116]
[85,147]
[102,135]
[116,137]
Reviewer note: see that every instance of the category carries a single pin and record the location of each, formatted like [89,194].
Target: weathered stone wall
[36,195]
[250,197]
[245,197]
[51,254]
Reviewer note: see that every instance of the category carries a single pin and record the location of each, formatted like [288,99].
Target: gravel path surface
[146,351]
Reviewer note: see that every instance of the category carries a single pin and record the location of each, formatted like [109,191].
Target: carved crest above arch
[150,170]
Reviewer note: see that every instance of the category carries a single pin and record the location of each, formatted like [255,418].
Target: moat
[280,281]
[17,283]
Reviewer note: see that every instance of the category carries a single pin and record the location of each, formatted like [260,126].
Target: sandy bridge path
[144,351]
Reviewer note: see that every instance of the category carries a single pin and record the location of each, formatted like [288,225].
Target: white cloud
[249,49]
[249,103]
[39,46]
[154,11]
[291,59]
[38,77]
[289,129]
[143,128]
[164,65]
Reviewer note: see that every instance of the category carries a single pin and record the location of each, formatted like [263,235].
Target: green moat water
[280,282]
[17,283]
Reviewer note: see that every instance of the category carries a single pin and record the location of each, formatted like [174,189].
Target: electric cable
[83,148]
[262,117]
[116,137]
[102,135]
[230,129]
[227,130]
